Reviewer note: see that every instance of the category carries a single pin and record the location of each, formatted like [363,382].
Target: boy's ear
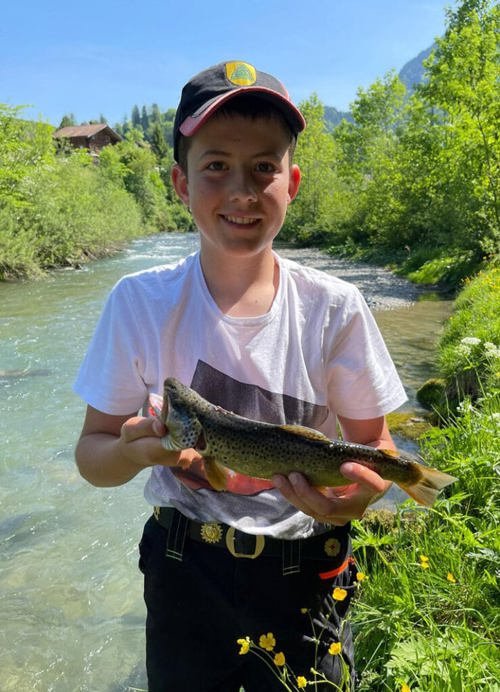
[180,183]
[294,182]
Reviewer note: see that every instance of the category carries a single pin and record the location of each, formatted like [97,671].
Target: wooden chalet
[91,137]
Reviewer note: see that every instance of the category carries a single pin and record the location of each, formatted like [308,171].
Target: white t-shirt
[317,353]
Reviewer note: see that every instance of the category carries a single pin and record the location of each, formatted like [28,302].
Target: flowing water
[71,608]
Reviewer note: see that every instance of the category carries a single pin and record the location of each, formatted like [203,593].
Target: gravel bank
[381,289]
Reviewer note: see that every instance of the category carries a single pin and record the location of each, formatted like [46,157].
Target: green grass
[429,612]
[429,615]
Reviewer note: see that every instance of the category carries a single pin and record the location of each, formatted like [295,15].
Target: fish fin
[426,489]
[216,474]
[393,453]
[305,432]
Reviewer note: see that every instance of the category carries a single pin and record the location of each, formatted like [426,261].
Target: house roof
[85,131]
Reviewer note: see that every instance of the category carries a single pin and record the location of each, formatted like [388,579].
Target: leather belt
[332,544]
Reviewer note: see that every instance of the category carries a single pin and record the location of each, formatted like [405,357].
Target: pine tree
[136,117]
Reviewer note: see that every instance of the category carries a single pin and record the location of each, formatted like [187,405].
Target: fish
[227,440]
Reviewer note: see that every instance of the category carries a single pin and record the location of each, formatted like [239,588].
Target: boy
[265,338]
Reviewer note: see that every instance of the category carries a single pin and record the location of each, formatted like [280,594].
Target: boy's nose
[242,188]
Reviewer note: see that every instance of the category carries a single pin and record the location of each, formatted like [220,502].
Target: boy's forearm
[101,462]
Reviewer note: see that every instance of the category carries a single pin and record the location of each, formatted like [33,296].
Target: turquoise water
[71,608]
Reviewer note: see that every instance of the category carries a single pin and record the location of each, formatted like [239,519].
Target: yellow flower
[304,611]
[451,578]
[360,576]
[405,687]
[279,659]
[335,648]
[267,641]
[245,645]
[339,594]
[424,562]
[301,682]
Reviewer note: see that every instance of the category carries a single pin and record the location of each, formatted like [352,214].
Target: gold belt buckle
[259,545]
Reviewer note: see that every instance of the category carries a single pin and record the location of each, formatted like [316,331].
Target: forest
[411,179]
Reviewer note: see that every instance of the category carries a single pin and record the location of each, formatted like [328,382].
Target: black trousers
[198,607]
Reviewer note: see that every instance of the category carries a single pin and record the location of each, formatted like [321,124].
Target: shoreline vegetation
[411,183]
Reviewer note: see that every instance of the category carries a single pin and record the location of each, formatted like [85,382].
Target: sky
[104,56]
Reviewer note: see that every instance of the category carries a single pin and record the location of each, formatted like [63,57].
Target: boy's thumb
[158,428]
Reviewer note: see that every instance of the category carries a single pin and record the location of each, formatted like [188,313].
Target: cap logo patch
[241,73]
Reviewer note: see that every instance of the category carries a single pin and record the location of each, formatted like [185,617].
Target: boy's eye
[265,167]
[215,166]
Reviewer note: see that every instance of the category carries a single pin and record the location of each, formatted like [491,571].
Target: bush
[70,211]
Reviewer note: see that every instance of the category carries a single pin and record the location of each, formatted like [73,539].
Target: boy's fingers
[136,427]
[338,505]
[357,473]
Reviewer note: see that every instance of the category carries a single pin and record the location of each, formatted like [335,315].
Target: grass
[429,615]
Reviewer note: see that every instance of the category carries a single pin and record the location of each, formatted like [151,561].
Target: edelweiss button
[211,532]
[332,547]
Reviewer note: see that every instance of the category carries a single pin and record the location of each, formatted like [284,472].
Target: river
[71,609]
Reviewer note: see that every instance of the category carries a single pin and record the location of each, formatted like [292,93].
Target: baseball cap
[210,89]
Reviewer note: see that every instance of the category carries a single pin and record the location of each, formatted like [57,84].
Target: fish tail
[425,490]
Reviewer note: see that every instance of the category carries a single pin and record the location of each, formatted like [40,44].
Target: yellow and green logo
[241,73]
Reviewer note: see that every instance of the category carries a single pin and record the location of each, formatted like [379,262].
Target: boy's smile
[239,183]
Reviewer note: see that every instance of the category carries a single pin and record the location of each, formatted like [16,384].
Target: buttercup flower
[267,641]
[405,687]
[245,646]
[335,648]
[279,659]
[451,578]
[360,576]
[301,682]
[339,594]
[424,562]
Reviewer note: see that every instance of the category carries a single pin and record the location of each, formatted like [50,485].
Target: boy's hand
[113,449]
[141,443]
[334,505]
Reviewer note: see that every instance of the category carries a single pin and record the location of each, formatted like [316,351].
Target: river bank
[381,287]
[72,609]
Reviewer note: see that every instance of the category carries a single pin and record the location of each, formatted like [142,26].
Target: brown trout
[253,448]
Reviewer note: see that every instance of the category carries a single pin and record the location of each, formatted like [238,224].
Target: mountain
[333,117]
[413,72]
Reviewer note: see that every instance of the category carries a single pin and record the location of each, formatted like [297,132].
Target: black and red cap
[210,89]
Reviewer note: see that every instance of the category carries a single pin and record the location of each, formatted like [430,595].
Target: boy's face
[239,183]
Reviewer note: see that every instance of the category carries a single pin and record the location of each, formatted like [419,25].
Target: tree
[144,119]
[367,152]
[157,140]
[155,113]
[136,118]
[464,73]
[311,213]
[68,120]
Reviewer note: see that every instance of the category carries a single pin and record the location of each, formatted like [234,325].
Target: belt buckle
[259,545]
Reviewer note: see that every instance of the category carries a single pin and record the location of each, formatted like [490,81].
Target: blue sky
[104,56]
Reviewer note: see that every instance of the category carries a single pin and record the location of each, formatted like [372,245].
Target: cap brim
[292,114]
